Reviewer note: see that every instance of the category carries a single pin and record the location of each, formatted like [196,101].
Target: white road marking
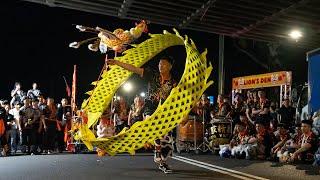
[212,169]
[220,169]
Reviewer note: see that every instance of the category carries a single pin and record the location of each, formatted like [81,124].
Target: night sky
[35,39]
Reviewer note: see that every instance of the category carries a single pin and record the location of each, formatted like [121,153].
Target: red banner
[262,80]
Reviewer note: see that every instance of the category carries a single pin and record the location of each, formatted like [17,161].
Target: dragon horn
[78,44]
[86,29]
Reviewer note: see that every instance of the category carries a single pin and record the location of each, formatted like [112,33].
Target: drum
[190,130]
[220,132]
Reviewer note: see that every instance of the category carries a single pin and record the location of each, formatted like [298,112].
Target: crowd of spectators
[33,124]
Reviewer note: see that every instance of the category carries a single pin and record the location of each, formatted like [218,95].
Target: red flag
[67,87]
[74,88]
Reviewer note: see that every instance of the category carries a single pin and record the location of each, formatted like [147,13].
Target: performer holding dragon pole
[159,86]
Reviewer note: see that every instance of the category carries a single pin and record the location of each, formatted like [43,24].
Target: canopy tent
[268,21]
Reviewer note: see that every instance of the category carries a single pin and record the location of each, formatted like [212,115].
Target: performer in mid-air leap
[160,85]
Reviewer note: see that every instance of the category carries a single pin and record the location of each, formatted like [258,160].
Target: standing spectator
[120,114]
[263,106]
[316,123]
[50,114]
[27,120]
[273,116]
[15,126]
[317,158]
[34,92]
[304,113]
[17,94]
[8,124]
[136,111]
[237,109]
[262,110]
[248,124]
[287,113]
[38,125]
[3,142]
[42,102]
[63,118]
[205,109]
[249,100]
[224,106]
[255,97]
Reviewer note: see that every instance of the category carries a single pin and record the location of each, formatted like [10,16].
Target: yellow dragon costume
[168,114]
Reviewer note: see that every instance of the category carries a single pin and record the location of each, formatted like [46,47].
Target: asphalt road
[141,166]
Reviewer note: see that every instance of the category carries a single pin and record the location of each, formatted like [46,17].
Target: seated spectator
[265,119]
[34,92]
[262,142]
[290,146]
[239,144]
[281,137]
[307,144]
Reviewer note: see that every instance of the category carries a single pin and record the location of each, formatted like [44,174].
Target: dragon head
[143,25]
[140,28]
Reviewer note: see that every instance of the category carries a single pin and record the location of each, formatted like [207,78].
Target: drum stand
[204,146]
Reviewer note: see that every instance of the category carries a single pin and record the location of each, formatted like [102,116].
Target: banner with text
[262,80]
